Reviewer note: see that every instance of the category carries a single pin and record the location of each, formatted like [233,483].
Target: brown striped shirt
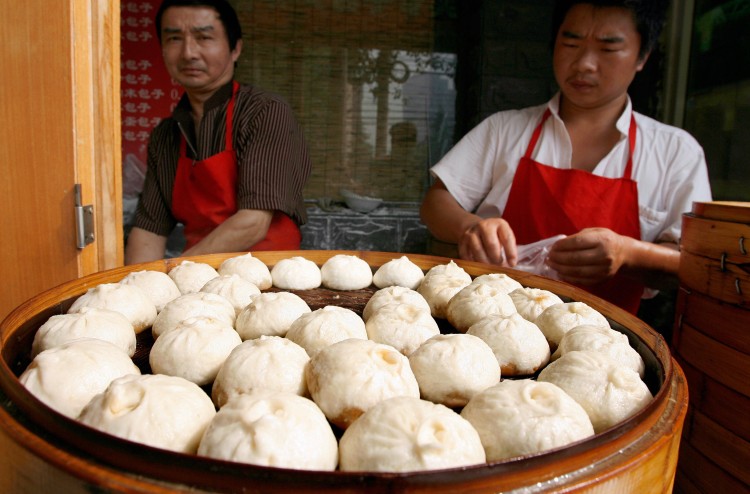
[272,157]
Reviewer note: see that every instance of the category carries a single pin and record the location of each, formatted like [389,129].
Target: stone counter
[391,227]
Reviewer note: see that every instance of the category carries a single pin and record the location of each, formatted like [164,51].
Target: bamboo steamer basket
[712,343]
[715,245]
[44,450]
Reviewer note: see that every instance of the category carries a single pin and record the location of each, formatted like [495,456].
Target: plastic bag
[532,257]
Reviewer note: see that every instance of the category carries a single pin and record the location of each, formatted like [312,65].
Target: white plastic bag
[532,257]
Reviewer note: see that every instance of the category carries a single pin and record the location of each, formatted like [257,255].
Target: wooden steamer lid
[712,343]
[733,211]
[638,455]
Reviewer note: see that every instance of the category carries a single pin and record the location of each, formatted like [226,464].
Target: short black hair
[649,17]
[227,16]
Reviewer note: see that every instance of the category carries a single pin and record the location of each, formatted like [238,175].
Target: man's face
[596,55]
[196,49]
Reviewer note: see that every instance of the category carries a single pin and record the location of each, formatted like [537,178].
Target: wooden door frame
[678,34]
[96,75]
[61,111]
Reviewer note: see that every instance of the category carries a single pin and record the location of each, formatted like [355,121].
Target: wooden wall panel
[38,150]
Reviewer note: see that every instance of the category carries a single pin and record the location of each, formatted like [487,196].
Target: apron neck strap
[228,123]
[230,115]
[631,141]
[631,146]
[537,132]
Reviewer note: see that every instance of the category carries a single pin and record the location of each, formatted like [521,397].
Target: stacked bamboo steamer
[712,344]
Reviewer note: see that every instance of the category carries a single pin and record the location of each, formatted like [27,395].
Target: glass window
[371,82]
[717,108]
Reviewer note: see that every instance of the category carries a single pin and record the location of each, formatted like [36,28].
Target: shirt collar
[221,96]
[554,105]
[181,113]
[622,124]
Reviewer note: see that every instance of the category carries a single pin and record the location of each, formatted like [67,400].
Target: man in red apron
[204,197]
[598,50]
[230,163]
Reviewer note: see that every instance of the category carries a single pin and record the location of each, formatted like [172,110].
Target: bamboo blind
[374,97]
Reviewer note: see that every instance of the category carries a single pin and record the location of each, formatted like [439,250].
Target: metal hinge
[84,221]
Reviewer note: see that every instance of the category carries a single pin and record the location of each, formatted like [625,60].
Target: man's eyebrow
[202,29]
[613,39]
[571,35]
[196,29]
[610,40]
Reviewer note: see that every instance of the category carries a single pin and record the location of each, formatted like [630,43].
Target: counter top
[387,209]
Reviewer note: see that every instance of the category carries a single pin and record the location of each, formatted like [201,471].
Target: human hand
[490,241]
[590,256]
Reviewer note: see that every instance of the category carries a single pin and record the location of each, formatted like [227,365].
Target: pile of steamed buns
[242,369]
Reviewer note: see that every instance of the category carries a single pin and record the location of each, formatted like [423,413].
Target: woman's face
[596,55]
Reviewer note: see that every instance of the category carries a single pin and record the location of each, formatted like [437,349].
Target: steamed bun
[234,288]
[452,368]
[190,276]
[404,327]
[500,281]
[248,267]
[398,272]
[530,302]
[348,377]
[195,349]
[346,272]
[190,305]
[128,300]
[90,322]
[270,314]
[296,273]
[269,362]
[273,429]
[608,391]
[325,326]
[66,377]
[519,346]
[159,287]
[475,302]
[523,417]
[393,295]
[602,340]
[166,412]
[440,284]
[405,434]
[558,319]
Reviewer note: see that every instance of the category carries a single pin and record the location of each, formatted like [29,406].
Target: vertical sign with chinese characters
[147,93]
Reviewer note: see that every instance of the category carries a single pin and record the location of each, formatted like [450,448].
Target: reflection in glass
[373,93]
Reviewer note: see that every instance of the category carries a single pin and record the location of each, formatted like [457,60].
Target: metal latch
[84,221]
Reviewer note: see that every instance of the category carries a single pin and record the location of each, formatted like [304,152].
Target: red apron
[205,195]
[546,201]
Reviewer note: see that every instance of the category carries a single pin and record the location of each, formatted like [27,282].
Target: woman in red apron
[205,195]
[573,200]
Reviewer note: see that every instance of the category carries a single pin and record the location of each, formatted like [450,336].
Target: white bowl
[361,204]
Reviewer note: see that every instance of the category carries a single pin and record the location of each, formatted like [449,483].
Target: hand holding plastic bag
[532,257]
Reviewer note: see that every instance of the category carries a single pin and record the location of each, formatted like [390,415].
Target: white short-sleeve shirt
[668,165]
